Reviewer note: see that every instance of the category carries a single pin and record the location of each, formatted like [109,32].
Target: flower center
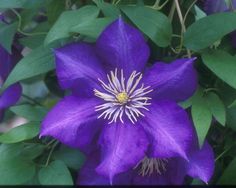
[122,97]
[149,166]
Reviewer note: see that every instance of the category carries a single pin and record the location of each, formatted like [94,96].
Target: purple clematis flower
[154,171]
[216,6]
[129,107]
[12,94]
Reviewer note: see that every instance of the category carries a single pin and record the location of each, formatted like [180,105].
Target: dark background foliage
[34,28]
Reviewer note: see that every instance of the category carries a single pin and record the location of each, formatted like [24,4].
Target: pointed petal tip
[191,60]
[104,173]
[120,18]
[40,136]
[185,157]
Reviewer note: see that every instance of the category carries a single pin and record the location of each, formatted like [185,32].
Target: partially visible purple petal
[88,175]
[73,121]
[233,4]
[76,61]
[1,114]
[214,6]
[122,147]
[5,64]
[176,171]
[176,81]
[123,46]
[201,163]
[10,96]
[153,179]
[170,130]
[233,38]
[174,174]
[1,17]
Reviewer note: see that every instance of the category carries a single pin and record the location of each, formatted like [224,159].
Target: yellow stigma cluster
[122,97]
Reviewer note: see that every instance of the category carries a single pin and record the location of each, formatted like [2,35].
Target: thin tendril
[19,26]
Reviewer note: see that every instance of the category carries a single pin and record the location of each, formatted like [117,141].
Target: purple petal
[5,64]
[122,146]
[201,163]
[176,81]
[214,6]
[73,121]
[77,61]
[170,129]
[88,175]
[10,96]
[123,46]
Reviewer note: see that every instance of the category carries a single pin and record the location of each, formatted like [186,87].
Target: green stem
[189,8]
[19,26]
[31,34]
[172,11]
[183,28]
[156,5]
[32,100]
[49,143]
[177,36]
[219,156]
[50,153]
[210,89]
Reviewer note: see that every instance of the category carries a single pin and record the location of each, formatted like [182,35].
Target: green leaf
[109,10]
[73,158]
[69,19]
[151,22]
[222,64]
[54,9]
[20,133]
[14,168]
[8,31]
[228,177]
[197,182]
[32,150]
[233,104]
[20,3]
[199,13]
[16,171]
[216,107]
[32,113]
[9,151]
[201,117]
[231,118]
[186,104]
[36,41]
[39,61]
[56,173]
[92,28]
[32,42]
[209,29]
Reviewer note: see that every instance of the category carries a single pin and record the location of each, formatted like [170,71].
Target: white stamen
[122,98]
[150,165]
